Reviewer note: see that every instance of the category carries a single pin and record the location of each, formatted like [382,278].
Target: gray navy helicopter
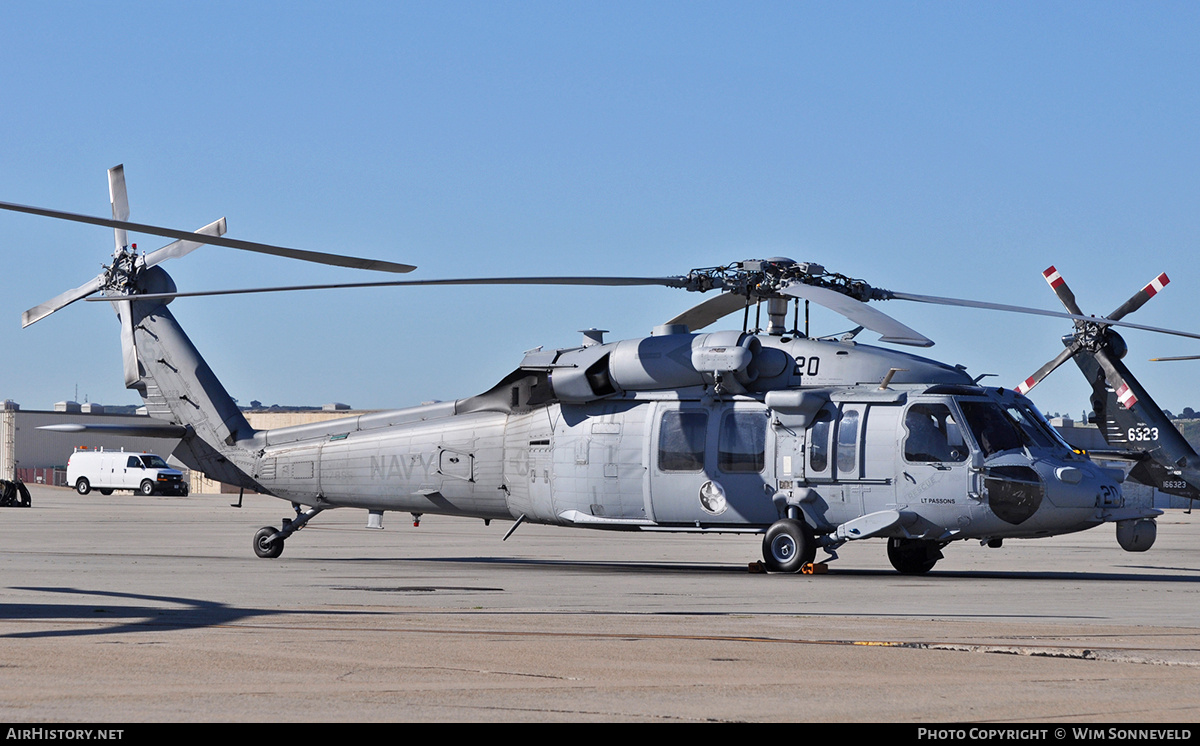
[812,443]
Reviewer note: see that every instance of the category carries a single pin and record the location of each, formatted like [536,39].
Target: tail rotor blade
[120,203]
[1047,369]
[128,350]
[1140,297]
[1060,288]
[1125,395]
[183,247]
[42,310]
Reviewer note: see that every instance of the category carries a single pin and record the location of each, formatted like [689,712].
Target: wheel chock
[756,567]
[814,568]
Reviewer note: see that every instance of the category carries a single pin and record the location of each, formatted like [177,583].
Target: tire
[105,492]
[788,545]
[82,486]
[262,548]
[147,488]
[913,556]
[183,491]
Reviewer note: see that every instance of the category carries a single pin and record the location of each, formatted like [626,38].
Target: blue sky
[940,148]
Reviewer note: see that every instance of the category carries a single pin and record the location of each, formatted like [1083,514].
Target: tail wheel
[83,486]
[264,547]
[913,556]
[788,546]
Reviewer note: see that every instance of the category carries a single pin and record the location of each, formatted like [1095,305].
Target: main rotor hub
[764,278]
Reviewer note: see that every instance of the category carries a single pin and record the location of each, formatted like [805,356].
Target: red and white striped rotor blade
[1125,395]
[1060,288]
[1024,386]
[1140,297]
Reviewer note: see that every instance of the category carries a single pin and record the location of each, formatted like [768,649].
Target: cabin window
[682,439]
[818,455]
[741,446]
[133,463]
[932,434]
[847,442]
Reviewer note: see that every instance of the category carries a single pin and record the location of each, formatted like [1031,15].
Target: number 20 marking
[812,367]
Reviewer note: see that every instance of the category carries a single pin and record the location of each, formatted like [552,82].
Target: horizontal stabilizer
[1172,482]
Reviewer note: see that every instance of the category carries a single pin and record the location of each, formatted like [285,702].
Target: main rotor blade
[940,301]
[336,260]
[1024,386]
[860,313]
[671,282]
[1140,297]
[710,311]
[42,310]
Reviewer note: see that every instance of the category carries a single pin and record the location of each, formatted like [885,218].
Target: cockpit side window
[992,428]
[932,435]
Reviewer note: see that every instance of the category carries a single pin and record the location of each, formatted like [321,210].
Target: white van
[117,470]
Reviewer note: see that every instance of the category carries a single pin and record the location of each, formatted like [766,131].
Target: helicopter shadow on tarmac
[1166,574]
[166,613]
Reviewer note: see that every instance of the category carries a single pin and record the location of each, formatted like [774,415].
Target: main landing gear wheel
[913,556]
[83,486]
[264,547]
[788,546]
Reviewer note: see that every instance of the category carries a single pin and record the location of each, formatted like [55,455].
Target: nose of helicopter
[1082,485]
[1041,494]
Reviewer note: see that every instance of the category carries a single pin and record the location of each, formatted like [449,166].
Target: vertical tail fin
[178,386]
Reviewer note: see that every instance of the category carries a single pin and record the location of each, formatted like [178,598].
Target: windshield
[992,428]
[1034,428]
[154,462]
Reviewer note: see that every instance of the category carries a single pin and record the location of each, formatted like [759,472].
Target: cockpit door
[934,459]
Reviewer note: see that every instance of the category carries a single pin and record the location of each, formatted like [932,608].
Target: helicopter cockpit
[1015,462]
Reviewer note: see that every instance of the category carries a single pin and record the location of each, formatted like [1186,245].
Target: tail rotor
[1095,337]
